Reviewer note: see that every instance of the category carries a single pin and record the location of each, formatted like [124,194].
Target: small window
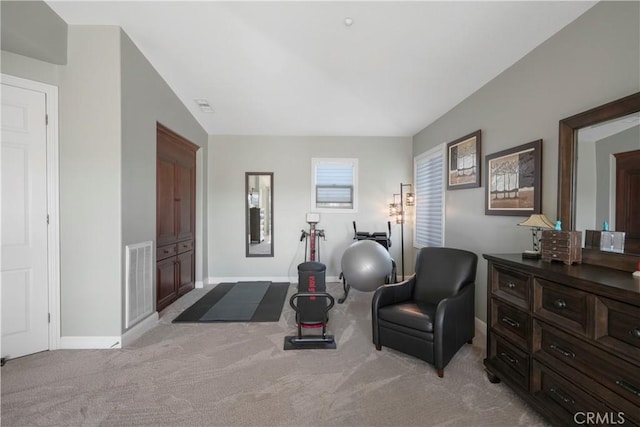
[428,169]
[334,185]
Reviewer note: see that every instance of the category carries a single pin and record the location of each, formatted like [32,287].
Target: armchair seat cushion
[411,314]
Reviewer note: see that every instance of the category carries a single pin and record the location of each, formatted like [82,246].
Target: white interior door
[24,278]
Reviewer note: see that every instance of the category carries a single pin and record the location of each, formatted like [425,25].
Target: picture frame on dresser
[513,182]
[464,162]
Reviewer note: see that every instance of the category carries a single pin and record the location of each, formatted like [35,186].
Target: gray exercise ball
[365,265]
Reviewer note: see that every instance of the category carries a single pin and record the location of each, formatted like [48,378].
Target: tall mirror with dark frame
[259,214]
[599,178]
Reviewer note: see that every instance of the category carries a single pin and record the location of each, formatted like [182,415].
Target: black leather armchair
[431,314]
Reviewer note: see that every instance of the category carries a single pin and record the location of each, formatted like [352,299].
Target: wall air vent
[204,105]
[139,282]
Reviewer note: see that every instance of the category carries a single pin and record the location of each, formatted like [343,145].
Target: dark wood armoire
[175,216]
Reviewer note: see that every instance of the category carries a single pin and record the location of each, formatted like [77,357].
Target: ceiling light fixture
[204,105]
[348,21]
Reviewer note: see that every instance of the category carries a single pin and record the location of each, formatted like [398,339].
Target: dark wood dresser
[566,338]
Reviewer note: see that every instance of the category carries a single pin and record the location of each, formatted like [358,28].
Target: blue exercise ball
[365,265]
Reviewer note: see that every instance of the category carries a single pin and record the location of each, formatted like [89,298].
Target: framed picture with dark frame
[463,162]
[514,181]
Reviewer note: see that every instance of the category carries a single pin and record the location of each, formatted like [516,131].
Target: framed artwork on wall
[514,181]
[463,162]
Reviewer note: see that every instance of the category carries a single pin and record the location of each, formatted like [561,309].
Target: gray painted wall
[593,60]
[110,100]
[627,140]
[147,99]
[90,184]
[382,163]
[29,68]
[32,28]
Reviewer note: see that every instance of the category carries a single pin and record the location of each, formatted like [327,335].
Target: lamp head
[537,221]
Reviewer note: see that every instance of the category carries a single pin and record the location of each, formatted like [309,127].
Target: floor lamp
[397,209]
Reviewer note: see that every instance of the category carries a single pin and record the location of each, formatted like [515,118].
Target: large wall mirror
[259,214]
[599,176]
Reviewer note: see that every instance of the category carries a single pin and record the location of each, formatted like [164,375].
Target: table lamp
[537,222]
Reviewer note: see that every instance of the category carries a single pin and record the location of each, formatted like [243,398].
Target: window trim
[437,150]
[337,161]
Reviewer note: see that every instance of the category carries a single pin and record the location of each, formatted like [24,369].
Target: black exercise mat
[268,310]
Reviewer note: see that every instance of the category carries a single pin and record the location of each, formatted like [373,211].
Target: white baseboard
[232,279]
[199,284]
[83,343]
[139,329]
[481,332]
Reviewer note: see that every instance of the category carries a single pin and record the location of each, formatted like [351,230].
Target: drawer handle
[635,333]
[629,387]
[511,322]
[509,358]
[562,351]
[560,304]
[562,397]
[166,251]
[511,285]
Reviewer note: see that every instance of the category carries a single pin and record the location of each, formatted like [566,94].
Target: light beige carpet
[237,374]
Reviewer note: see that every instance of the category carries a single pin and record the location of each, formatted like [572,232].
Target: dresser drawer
[509,360]
[571,308]
[562,397]
[555,255]
[620,377]
[618,327]
[166,251]
[556,235]
[548,247]
[511,322]
[511,285]
[185,246]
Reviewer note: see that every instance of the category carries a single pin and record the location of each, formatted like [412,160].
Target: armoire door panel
[166,214]
[186,263]
[166,292]
[185,183]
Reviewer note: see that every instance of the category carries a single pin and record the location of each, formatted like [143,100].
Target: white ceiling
[294,68]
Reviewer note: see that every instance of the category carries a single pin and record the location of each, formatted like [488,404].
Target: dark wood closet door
[166,214]
[186,264]
[166,271]
[175,216]
[628,198]
[185,181]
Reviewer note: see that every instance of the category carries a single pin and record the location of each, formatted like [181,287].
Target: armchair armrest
[454,324]
[387,295]
[393,293]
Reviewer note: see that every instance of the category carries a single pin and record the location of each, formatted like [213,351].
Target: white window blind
[334,184]
[428,169]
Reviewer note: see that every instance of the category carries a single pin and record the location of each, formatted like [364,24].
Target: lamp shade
[538,221]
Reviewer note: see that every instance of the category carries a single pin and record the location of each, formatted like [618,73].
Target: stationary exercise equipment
[312,302]
[366,263]
[313,237]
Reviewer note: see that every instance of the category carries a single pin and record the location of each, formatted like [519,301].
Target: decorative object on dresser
[565,246]
[514,181]
[565,338]
[463,162]
[537,222]
[609,241]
